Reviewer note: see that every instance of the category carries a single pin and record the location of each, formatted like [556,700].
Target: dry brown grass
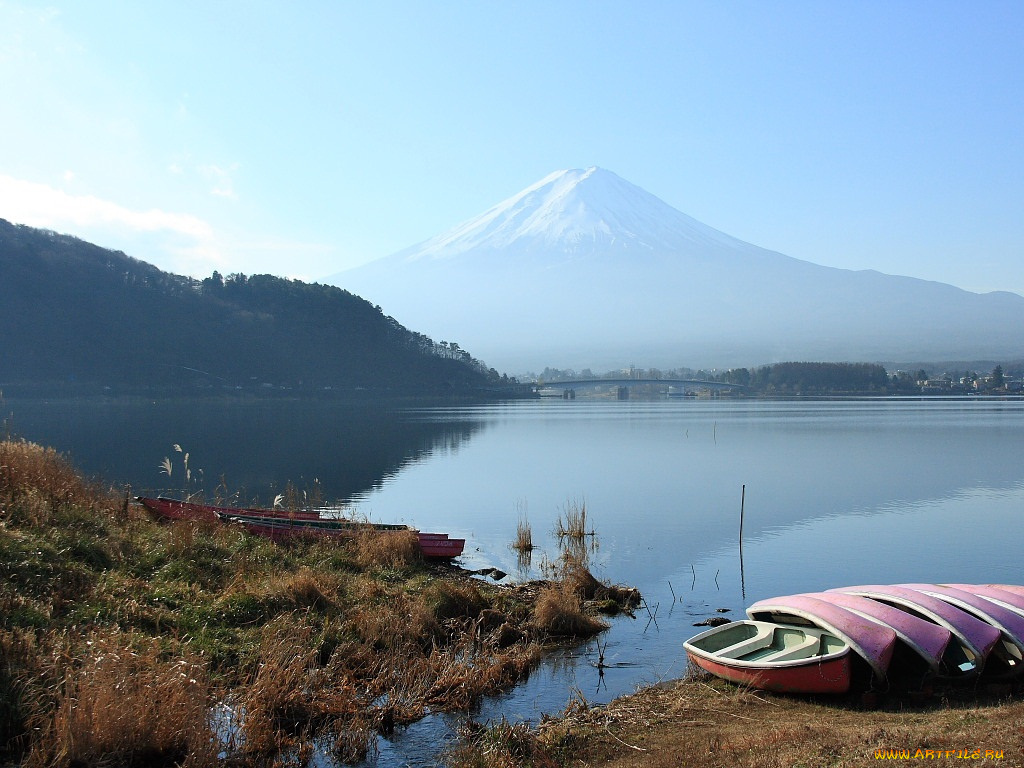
[290,701]
[574,523]
[559,612]
[35,481]
[524,537]
[23,688]
[395,622]
[498,745]
[386,549]
[449,600]
[578,578]
[122,703]
[707,723]
[121,639]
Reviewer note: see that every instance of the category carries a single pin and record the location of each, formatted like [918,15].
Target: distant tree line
[72,312]
[801,378]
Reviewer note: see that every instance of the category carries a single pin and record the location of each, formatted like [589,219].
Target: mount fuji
[584,269]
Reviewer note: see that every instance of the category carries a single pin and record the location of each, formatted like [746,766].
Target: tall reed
[524,536]
[574,524]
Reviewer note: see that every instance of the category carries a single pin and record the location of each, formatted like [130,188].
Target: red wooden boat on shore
[280,524]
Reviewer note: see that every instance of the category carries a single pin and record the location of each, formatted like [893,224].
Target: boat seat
[798,651]
[744,647]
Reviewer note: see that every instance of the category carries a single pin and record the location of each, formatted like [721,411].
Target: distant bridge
[568,385]
[625,380]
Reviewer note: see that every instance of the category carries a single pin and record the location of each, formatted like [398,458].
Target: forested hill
[72,312]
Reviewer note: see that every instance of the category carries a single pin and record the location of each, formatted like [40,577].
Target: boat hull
[928,641]
[977,636]
[829,677]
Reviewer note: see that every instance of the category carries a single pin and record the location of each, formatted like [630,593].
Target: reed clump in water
[572,524]
[524,537]
[559,612]
[499,744]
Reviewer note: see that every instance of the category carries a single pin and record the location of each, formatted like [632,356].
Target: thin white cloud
[219,179]
[39,205]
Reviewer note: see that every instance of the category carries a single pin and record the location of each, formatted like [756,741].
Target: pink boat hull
[831,676]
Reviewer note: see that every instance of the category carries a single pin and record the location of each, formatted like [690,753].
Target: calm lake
[836,493]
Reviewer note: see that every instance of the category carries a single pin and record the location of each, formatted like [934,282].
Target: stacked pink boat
[878,636]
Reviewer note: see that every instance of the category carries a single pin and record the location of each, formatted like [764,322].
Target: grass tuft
[121,703]
[524,537]
[386,549]
[574,523]
[559,612]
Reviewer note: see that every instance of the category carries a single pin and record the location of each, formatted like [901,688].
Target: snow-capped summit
[573,212]
[584,269]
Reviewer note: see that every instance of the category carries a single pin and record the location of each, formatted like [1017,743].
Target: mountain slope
[584,269]
[71,311]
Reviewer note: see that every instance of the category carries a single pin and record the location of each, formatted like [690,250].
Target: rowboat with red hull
[431,544]
[774,657]
[279,524]
[173,509]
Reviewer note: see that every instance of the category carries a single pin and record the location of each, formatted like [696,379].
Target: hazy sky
[302,138]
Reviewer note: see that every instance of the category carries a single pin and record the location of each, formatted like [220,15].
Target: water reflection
[255,448]
[831,493]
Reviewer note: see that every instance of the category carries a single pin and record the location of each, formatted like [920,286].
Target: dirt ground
[708,723]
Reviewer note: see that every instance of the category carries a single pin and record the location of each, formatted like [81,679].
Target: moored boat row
[279,524]
[904,635]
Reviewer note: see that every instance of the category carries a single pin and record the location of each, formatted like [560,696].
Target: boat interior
[763,643]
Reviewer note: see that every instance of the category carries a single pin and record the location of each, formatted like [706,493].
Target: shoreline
[702,722]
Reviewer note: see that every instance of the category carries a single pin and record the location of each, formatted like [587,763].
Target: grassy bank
[120,636]
[702,722]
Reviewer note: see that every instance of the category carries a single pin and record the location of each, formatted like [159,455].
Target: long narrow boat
[931,646]
[774,657]
[174,509]
[437,545]
[873,642]
[974,636]
[283,524]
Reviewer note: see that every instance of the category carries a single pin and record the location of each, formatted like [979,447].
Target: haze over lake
[837,492]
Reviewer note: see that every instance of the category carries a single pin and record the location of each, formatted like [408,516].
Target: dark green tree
[998,381]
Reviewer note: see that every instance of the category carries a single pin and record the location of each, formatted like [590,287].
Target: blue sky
[303,138]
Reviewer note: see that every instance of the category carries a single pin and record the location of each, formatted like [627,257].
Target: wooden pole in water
[743,581]
[743,501]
